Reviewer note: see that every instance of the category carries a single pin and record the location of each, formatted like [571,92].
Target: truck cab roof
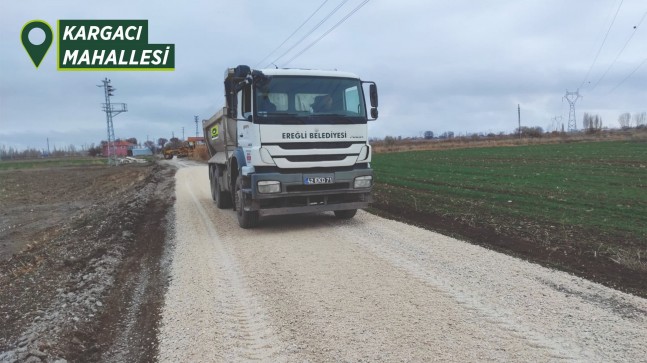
[307,72]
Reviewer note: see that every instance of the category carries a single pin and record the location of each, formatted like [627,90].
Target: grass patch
[49,163]
[585,199]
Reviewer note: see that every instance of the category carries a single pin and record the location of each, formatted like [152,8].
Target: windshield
[309,100]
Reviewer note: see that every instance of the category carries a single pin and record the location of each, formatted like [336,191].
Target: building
[122,148]
[142,151]
[195,141]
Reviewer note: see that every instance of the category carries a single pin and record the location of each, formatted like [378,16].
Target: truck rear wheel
[345,214]
[246,219]
[222,199]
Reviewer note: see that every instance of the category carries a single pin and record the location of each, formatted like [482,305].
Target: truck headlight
[269,186]
[363,181]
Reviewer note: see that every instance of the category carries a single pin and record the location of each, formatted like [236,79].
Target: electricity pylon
[572,97]
[111,109]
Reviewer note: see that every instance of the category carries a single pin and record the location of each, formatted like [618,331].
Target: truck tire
[345,214]
[246,219]
[222,199]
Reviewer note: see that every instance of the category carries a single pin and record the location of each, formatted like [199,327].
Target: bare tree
[640,118]
[525,131]
[586,121]
[389,141]
[591,123]
[151,146]
[625,120]
[161,142]
[95,150]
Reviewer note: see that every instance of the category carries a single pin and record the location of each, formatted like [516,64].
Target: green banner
[119,45]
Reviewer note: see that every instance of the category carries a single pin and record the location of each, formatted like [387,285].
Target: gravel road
[312,288]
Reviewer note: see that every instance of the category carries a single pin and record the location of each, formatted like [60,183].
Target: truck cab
[291,141]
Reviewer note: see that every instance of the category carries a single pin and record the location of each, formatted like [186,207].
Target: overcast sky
[460,66]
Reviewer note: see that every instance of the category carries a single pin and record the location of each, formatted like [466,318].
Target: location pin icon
[36,51]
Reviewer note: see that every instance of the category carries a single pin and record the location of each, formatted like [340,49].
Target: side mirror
[373,94]
[374,113]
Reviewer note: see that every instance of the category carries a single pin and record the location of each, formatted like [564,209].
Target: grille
[314,145]
[316,187]
[306,158]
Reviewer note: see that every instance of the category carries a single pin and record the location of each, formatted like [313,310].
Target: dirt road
[312,288]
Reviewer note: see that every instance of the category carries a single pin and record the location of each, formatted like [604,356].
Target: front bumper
[297,197]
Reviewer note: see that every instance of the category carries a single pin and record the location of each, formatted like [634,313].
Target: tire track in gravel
[209,313]
[575,318]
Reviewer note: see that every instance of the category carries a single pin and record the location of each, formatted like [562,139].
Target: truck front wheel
[345,214]
[246,219]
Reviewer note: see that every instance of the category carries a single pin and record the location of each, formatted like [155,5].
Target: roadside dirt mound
[81,270]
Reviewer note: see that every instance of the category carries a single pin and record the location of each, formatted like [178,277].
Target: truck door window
[245,101]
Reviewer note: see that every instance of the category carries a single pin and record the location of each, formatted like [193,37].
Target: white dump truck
[291,141]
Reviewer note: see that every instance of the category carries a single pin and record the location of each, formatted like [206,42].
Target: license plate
[318,180]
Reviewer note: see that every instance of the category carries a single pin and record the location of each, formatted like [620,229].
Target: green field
[50,162]
[587,198]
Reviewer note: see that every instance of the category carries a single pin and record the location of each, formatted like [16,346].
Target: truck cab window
[245,102]
[351,100]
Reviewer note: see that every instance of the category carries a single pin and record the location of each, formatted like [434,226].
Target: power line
[291,35]
[619,53]
[311,30]
[329,30]
[629,75]
[602,45]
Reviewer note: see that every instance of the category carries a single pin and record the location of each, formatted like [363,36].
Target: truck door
[244,134]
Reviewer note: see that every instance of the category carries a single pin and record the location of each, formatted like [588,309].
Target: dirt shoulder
[82,253]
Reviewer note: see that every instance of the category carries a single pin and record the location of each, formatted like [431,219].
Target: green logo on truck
[214,132]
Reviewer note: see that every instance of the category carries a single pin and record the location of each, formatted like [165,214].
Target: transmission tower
[196,126]
[557,121]
[111,110]
[572,97]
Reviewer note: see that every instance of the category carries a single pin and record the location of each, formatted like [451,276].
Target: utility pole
[519,118]
[196,126]
[182,133]
[111,110]
[572,97]
[48,147]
